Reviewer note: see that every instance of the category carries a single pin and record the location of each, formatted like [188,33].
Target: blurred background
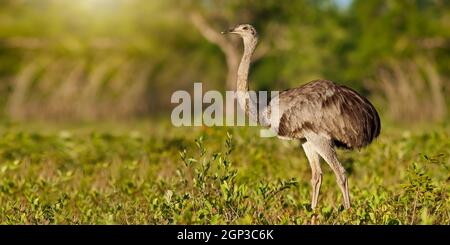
[85,130]
[100,60]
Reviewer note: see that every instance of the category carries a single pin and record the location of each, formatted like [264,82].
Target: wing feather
[322,106]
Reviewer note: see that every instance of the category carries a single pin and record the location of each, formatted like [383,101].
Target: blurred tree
[386,30]
[295,39]
[164,46]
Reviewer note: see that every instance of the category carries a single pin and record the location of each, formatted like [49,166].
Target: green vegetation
[214,176]
[83,85]
[109,59]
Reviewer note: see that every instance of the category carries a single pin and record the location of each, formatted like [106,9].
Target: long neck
[245,102]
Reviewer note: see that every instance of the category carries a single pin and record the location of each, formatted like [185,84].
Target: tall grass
[64,89]
[412,91]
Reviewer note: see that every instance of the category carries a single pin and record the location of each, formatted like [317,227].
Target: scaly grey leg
[316,177]
[326,150]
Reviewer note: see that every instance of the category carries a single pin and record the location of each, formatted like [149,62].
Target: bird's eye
[245,28]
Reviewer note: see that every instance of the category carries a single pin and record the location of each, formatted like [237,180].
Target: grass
[152,173]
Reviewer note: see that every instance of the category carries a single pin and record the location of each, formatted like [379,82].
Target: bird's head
[246,31]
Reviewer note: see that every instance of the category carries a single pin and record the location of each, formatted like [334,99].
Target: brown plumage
[322,114]
[322,106]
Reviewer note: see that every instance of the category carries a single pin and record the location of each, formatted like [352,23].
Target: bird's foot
[314,219]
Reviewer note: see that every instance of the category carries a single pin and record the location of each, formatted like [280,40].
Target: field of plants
[86,95]
[151,173]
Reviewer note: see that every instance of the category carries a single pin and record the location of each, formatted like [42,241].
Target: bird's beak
[231,30]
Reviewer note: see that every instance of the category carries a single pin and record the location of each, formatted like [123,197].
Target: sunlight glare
[97,4]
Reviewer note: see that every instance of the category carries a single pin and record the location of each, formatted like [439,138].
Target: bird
[321,114]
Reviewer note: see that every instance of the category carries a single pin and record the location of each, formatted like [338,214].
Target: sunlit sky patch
[98,4]
[343,3]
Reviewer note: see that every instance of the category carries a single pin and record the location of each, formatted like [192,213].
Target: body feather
[324,107]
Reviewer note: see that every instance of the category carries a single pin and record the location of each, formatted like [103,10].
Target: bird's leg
[341,176]
[316,178]
[326,150]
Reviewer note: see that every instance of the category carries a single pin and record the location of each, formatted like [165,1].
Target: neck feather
[242,80]
[244,66]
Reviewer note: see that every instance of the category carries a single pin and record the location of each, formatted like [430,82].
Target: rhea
[321,114]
